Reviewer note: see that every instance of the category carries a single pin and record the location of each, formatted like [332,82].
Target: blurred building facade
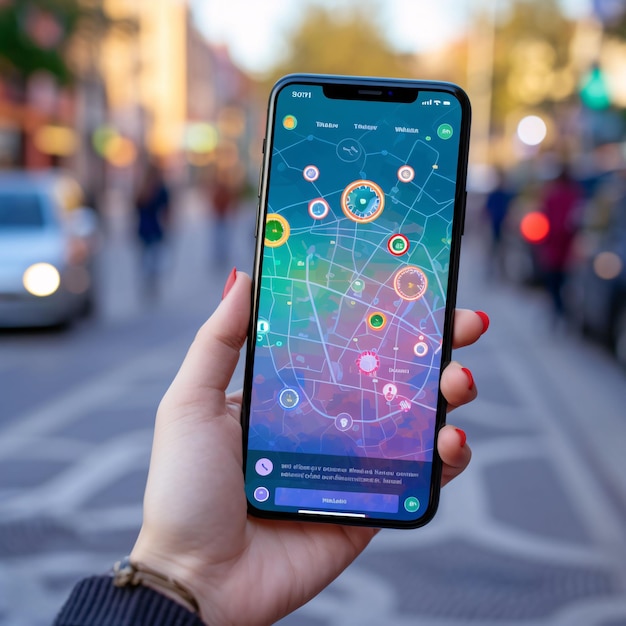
[145,83]
[170,93]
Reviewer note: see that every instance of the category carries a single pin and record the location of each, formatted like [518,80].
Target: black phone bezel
[388,90]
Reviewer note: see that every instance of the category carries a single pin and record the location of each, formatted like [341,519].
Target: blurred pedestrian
[497,205]
[199,559]
[224,190]
[152,204]
[561,201]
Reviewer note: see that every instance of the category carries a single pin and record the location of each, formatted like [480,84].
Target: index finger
[468,327]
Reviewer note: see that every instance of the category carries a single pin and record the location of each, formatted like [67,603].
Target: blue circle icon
[289,398]
[261,494]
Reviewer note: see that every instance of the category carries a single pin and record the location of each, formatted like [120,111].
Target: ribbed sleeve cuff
[95,601]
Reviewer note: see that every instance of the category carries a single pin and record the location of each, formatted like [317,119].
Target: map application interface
[352,299]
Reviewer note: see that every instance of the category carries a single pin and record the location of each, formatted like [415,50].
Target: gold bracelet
[126,573]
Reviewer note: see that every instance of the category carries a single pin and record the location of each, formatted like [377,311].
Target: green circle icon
[412,504]
[445,131]
[376,321]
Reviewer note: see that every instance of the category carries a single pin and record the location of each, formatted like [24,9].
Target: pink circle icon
[311,173]
[406,174]
[390,391]
[318,208]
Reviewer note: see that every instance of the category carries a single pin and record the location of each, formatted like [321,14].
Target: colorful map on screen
[354,276]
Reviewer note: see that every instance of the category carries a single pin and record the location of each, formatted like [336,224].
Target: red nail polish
[485,320]
[462,436]
[469,377]
[230,281]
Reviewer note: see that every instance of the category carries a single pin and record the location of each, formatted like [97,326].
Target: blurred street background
[144,122]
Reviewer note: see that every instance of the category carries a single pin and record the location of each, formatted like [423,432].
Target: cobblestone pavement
[532,534]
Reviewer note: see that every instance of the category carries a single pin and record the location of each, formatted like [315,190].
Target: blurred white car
[47,245]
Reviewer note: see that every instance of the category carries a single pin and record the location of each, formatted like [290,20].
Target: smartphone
[361,211]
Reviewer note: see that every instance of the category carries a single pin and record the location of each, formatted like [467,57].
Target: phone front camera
[390,93]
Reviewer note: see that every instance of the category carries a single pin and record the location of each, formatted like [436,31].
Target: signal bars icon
[430,102]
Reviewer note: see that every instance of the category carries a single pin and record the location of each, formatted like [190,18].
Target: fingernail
[470,378]
[485,320]
[462,436]
[230,281]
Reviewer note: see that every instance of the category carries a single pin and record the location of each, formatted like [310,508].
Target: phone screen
[352,311]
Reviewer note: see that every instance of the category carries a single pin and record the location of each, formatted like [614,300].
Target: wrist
[176,566]
[129,572]
[188,570]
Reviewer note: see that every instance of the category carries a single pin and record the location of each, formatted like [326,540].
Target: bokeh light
[534,227]
[532,130]
[607,265]
[56,140]
[41,279]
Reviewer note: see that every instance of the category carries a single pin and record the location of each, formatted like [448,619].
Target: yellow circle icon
[276,230]
[290,122]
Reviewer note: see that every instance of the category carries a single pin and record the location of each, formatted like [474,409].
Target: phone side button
[463,214]
[256,225]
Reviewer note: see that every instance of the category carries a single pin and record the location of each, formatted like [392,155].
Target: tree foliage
[531,57]
[341,42]
[37,35]
[33,36]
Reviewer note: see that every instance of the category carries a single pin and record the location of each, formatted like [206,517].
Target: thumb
[214,353]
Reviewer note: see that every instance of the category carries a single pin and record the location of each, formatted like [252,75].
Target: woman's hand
[196,529]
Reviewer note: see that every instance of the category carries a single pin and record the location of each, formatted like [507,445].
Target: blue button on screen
[337,500]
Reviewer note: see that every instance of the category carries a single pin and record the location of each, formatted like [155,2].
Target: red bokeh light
[534,227]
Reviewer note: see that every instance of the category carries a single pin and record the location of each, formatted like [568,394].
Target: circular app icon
[445,131]
[362,201]
[390,391]
[263,467]
[420,349]
[410,283]
[398,245]
[276,230]
[318,208]
[349,150]
[290,122]
[412,504]
[344,422]
[311,173]
[368,362]
[377,321]
[406,174]
[358,285]
[261,494]
[289,398]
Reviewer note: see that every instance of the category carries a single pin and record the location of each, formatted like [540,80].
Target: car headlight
[41,279]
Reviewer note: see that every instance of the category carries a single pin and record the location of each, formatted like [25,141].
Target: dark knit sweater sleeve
[95,601]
